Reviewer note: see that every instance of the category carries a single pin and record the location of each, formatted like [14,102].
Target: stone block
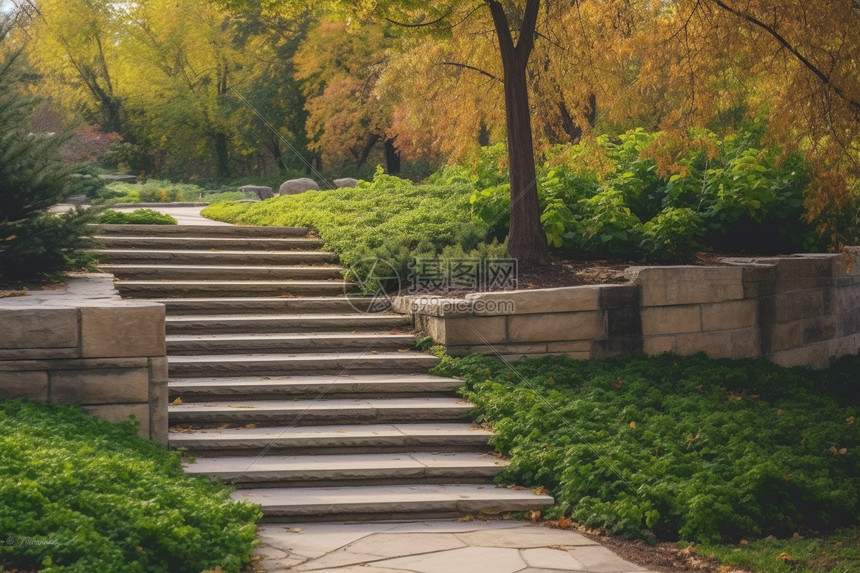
[792,269]
[786,335]
[849,322]
[473,330]
[819,329]
[27,385]
[799,304]
[39,328]
[671,320]
[616,347]
[121,412]
[123,331]
[158,370]
[578,347]
[845,346]
[729,315]
[746,343]
[670,286]
[619,296]
[540,301]
[759,280]
[506,349]
[100,386]
[558,327]
[814,356]
[38,353]
[653,345]
[714,344]
[624,323]
[158,402]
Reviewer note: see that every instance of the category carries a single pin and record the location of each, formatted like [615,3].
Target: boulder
[296,186]
[262,191]
[345,182]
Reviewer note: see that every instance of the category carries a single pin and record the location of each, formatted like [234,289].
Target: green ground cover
[78,494]
[678,448]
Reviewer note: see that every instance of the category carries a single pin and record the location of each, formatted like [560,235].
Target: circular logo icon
[371,285]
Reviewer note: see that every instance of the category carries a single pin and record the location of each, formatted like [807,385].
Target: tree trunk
[222,155]
[392,158]
[527,239]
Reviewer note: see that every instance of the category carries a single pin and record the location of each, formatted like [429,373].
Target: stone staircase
[285,387]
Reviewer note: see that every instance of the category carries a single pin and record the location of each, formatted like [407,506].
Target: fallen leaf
[850,419]
[293,529]
[632,425]
[240,406]
[250,426]
[779,412]
[466,518]
[534,515]
[565,523]
[177,402]
[784,557]
[744,542]
[540,490]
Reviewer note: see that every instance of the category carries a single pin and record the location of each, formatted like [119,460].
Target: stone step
[273,306]
[268,387]
[156,289]
[208,243]
[201,231]
[185,345]
[349,469]
[204,257]
[300,364]
[325,412]
[285,323]
[223,273]
[408,502]
[342,439]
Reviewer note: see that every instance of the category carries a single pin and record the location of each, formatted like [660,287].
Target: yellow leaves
[784,557]
[691,439]
[534,515]
[632,425]
[839,451]
[177,402]
[850,419]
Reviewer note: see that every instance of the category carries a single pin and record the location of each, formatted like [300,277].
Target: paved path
[423,546]
[434,547]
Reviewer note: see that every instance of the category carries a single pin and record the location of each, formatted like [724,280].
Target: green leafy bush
[608,197]
[676,447]
[136,217]
[78,494]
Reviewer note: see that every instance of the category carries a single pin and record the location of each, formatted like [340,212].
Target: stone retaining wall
[84,345]
[799,310]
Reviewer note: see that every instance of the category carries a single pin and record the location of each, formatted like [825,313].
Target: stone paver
[433,547]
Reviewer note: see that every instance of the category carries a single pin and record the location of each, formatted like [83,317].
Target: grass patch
[838,552]
[674,447]
[153,191]
[80,494]
[136,217]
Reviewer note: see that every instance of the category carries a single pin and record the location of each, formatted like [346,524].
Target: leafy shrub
[136,217]
[613,196]
[79,494]
[677,447]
